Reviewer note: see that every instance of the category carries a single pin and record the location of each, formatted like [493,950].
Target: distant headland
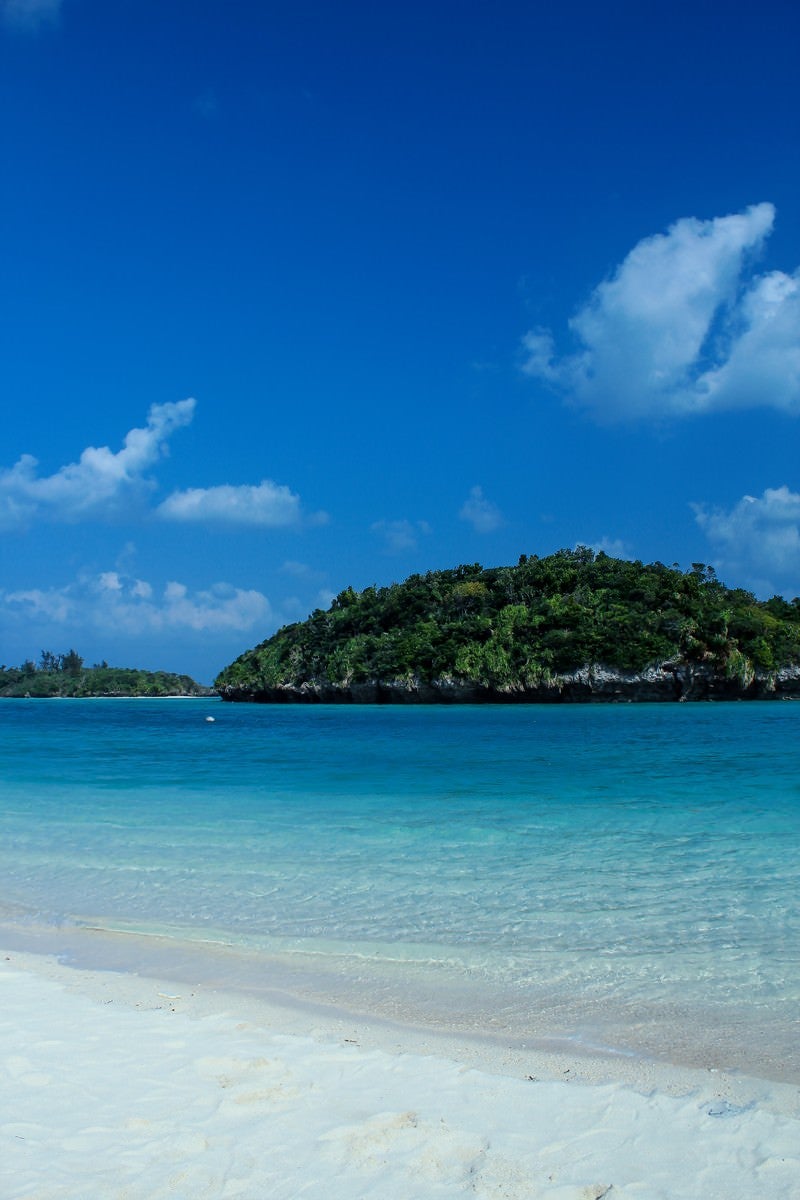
[572,626]
[65,675]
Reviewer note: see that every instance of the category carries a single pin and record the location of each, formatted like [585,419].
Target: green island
[573,626]
[66,675]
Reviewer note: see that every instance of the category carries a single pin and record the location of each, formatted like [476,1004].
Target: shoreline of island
[593,684]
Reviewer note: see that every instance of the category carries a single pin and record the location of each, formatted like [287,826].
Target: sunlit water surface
[622,876]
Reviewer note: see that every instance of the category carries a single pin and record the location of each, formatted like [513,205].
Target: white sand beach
[118,1086]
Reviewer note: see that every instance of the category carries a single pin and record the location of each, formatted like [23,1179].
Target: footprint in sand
[422,1150]
[251,1081]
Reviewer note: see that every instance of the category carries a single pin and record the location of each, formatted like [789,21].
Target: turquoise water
[624,876]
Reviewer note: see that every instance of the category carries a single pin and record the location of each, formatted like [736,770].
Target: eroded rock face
[669,681]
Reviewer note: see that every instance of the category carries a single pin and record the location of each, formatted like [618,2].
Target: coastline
[148,1054]
[416,1004]
[200,1090]
[210,695]
[593,683]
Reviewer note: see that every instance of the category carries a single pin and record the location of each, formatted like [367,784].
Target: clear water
[622,875]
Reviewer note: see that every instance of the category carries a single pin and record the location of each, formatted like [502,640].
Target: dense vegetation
[512,628]
[65,675]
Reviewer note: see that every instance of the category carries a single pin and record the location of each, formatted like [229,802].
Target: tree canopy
[510,628]
[66,675]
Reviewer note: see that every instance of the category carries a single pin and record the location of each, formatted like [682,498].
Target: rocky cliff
[666,682]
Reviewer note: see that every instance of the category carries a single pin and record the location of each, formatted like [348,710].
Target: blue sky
[303,296]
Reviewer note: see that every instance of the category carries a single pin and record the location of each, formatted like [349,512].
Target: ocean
[622,879]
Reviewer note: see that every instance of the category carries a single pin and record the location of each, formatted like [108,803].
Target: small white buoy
[212,719]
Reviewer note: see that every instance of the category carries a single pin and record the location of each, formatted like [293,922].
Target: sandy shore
[114,1086]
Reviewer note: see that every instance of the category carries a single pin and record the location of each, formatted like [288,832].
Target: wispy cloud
[29,15]
[124,605]
[613,547]
[482,514]
[95,484]
[267,504]
[683,327]
[300,570]
[757,540]
[400,536]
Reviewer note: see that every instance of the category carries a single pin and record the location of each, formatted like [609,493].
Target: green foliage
[511,627]
[65,675]
[71,663]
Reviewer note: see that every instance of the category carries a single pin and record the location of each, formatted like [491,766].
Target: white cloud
[613,547]
[269,505]
[109,581]
[764,358]
[123,605]
[98,482]
[29,14]
[758,540]
[683,327]
[482,514]
[299,570]
[400,536]
[53,604]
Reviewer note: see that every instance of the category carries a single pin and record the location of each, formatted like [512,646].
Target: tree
[72,663]
[505,626]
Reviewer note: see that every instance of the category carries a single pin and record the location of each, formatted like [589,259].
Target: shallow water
[618,876]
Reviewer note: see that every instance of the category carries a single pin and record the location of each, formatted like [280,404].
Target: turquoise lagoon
[622,879]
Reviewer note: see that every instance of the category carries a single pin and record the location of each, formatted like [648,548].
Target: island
[64,675]
[571,626]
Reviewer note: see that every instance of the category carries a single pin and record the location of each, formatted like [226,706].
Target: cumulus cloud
[100,479]
[400,536]
[121,604]
[29,14]
[482,514]
[51,604]
[269,505]
[100,482]
[758,540]
[683,327]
